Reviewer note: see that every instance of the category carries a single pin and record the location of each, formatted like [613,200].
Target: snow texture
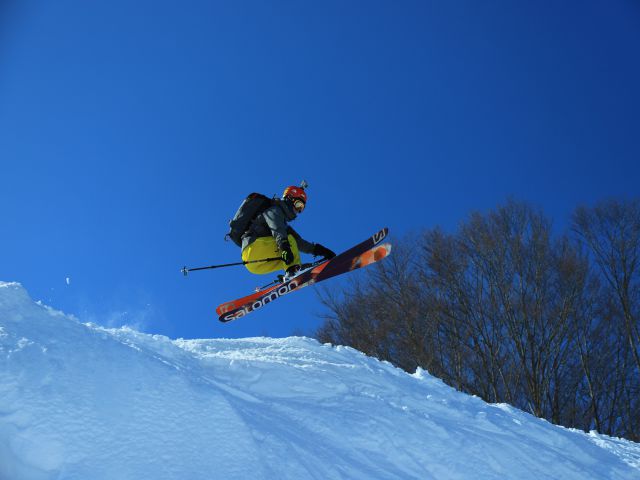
[78,401]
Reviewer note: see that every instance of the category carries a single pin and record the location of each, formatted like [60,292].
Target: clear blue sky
[131,131]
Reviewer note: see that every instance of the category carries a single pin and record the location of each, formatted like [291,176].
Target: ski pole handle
[186,270]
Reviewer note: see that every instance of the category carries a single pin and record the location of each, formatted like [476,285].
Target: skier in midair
[269,235]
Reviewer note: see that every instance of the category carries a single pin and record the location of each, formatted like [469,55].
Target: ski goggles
[298,205]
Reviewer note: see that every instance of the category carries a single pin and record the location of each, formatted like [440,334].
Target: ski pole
[186,270]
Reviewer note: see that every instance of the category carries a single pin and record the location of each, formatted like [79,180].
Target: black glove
[320,251]
[286,253]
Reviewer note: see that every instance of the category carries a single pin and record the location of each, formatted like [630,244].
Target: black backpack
[251,207]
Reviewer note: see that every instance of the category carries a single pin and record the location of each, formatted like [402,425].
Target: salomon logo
[378,237]
[261,302]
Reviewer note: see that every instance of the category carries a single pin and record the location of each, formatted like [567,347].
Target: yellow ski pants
[265,247]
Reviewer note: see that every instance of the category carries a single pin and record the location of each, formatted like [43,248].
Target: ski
[322,272]
[359,256]
[338,259]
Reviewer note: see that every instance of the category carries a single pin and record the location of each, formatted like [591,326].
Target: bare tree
[504,310]
[611,230]
[611,233]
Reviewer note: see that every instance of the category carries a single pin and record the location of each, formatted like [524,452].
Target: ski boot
[291,272]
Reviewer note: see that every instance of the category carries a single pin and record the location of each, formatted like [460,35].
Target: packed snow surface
[78,401]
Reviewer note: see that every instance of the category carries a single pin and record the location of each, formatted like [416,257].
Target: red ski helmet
[297,195]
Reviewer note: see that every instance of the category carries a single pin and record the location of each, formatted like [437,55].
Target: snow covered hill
[78,401]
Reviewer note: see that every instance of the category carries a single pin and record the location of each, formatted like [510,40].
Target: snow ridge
[80,401]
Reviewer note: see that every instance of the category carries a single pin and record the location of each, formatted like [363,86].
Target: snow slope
[78,401]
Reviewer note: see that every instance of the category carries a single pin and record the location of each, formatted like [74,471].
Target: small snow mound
[12,292]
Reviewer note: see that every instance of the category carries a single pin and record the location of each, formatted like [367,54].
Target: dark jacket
[274,222]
